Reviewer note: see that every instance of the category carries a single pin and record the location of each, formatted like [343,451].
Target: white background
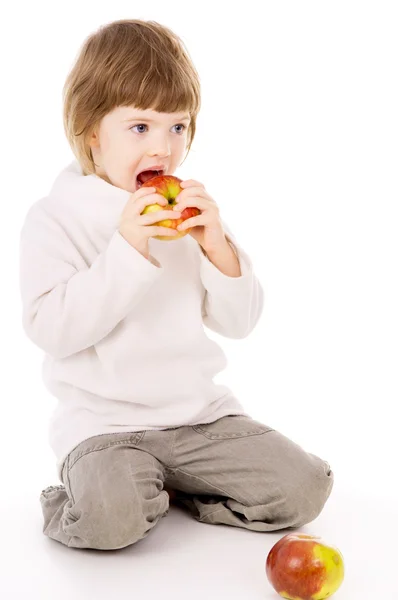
[297,143]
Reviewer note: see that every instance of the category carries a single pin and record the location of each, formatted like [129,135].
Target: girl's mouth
[145,176]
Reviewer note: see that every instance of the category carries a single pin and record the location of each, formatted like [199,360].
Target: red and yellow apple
[304,567]
[169,187]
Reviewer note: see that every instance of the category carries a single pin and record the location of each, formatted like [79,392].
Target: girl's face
[131,140]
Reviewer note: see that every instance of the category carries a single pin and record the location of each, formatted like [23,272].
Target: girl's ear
[93,140]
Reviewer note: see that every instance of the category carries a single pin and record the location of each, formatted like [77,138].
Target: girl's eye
[178,125]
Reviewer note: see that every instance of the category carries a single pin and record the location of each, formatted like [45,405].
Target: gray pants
[234,471]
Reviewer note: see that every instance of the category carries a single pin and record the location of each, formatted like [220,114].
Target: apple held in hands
[304,567]
[169,187]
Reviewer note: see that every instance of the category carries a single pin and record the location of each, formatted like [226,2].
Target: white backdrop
[297,142]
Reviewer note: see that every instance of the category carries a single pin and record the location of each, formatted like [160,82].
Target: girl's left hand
[207,227]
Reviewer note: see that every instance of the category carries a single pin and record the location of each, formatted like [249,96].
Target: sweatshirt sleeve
[66,309]
[232,305]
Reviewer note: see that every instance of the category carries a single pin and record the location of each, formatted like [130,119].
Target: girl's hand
[207,227]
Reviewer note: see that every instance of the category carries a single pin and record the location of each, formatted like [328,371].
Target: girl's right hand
[137,228]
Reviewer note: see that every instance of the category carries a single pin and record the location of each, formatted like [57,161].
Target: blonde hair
[127,63]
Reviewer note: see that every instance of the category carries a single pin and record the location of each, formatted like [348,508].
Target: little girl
[120,315]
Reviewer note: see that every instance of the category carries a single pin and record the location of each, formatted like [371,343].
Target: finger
[192,222]
[158,230]
[190,183]
[160,215]
[143,191]
[194,201]
[199,191]
[149,199]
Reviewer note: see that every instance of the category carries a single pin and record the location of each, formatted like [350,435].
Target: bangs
[156,87]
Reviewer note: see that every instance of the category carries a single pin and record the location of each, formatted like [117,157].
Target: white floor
[182,558]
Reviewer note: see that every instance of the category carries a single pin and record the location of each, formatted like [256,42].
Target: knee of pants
[115,527]
[310,494]
[107,534]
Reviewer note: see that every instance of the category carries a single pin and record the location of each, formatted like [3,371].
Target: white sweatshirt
[123,336]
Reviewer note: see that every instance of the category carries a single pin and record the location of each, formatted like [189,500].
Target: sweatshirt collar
[72,183]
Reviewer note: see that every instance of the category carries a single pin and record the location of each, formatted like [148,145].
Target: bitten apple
[169,187]
[304,567]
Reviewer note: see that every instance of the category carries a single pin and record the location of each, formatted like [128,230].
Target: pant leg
[239,472]
[112,495]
